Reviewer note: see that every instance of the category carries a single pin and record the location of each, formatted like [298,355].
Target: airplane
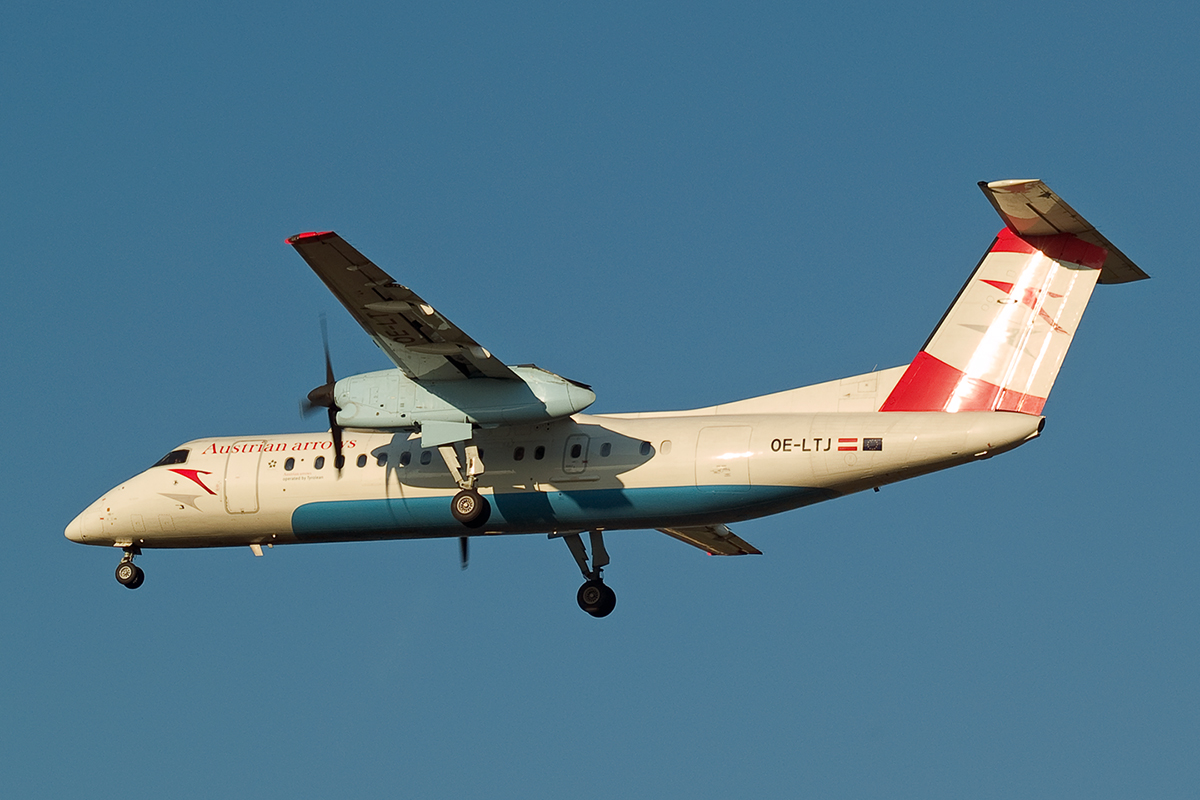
[405,454]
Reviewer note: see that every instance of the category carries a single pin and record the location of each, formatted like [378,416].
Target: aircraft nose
[88,524]
[74,530]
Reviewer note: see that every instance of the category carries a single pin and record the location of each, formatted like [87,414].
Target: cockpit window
[173,457]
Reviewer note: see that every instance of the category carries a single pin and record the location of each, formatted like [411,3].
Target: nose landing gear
[129,574]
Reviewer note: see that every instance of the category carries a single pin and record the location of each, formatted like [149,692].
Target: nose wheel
[130,575]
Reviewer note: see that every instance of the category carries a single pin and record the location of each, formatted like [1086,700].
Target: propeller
[463,545]
[322,397]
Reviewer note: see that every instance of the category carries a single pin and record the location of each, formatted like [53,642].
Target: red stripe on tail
[1060,247]
[932,385]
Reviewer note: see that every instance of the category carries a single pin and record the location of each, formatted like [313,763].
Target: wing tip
[300,237]
[1010,184]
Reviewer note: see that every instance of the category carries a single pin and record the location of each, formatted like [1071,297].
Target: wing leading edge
[418,340]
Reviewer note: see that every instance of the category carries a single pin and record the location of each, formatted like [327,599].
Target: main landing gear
[129,574]
[594,596]
[468,506]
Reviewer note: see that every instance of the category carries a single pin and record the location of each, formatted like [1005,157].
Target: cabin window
[426,456]
[362,460]
[518,454]
[339,462]
[173,457]
[576,450]
[405,458]
[646,448]
[665,447]
[539,452]
[606,449]
[290,464]
[319,462]
[381,459]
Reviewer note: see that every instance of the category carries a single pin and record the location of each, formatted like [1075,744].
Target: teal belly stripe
[523,512]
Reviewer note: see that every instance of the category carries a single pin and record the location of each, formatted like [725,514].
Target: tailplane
[1001,343]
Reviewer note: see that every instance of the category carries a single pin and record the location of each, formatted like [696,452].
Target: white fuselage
[586,472]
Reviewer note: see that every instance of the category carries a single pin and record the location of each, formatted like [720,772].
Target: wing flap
[716,540]
[419,340]
[1029,208]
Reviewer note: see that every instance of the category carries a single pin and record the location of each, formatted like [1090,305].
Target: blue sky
[679,204]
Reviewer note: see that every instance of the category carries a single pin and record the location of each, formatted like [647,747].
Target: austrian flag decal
[870,445]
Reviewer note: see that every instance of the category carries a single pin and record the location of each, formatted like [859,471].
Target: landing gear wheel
[470,508]
[596,598]
[129,575]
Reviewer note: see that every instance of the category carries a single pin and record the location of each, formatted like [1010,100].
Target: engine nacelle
[390,400]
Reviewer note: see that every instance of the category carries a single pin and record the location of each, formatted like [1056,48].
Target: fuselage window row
[426,456]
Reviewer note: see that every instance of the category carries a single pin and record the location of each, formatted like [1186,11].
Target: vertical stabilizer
[1000,345]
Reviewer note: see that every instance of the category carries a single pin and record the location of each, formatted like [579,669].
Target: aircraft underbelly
[529,512]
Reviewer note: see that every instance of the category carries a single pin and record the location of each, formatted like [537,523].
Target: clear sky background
[680,204]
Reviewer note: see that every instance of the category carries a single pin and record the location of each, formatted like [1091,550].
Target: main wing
[418,340]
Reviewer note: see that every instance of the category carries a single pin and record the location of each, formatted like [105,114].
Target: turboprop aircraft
[406,450]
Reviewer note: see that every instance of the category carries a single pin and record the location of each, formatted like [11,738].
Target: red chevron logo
[192,475]
[1032,298]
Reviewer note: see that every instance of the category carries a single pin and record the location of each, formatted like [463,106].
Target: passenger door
[241,477]
[575,454]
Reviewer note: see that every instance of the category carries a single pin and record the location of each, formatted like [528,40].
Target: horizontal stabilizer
[716,540]
[1029,208]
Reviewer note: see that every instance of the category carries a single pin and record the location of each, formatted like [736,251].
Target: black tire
[127,573]
[138,579]
[485,513]
[596,598]
[607,602]
[470,508]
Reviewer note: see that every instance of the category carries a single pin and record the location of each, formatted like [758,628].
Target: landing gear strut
[468,506]
[594,596]
[129,574]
